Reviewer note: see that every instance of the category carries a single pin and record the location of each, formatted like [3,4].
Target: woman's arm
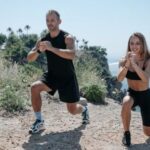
[123,68]
[143,74]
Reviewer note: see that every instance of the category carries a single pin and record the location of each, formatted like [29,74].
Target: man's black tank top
[58,66]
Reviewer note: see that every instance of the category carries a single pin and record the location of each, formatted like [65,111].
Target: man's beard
[52,29]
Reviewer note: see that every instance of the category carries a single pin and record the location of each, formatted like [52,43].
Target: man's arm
[34,53]
[68,53]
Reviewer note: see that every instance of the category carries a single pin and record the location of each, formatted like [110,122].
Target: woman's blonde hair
[144,50]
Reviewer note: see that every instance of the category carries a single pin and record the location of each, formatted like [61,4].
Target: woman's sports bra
[133,75]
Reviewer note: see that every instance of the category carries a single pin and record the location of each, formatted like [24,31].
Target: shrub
[94,93]
[13,85]
[91,85]
[11,99]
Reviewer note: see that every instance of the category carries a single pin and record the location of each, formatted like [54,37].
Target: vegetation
[94,77]
[14,82]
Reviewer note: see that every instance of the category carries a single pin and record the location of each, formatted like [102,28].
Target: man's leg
[126,117]
[146,130]
[36,88]
[75,108]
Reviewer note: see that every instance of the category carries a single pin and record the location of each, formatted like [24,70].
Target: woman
[136,68]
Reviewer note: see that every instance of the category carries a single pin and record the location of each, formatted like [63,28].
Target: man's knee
[72,108]
[147,131]
[36,87]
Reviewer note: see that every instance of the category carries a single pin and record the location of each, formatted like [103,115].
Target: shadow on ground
[142,146]
[68,140]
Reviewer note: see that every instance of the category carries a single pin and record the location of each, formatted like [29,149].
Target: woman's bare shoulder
[147,64]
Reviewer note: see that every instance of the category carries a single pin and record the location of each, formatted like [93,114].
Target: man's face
[52,22]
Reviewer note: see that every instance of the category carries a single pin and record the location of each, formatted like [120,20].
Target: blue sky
[106,23]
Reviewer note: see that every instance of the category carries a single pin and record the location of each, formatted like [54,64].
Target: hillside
[65,132]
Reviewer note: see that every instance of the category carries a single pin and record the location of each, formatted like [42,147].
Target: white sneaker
[37,126]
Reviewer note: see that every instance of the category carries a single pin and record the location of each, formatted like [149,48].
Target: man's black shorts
[67,87]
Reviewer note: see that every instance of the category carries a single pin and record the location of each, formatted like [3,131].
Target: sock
[38,115]
[127,132]
[84,108]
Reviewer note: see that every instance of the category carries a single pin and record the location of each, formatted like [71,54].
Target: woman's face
[135,45]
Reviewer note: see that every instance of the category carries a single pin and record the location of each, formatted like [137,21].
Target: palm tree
[27,28]
[43,33]
[19,31]
[9,29]
[85,44]
[77,43]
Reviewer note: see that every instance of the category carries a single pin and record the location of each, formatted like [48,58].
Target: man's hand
[45,45]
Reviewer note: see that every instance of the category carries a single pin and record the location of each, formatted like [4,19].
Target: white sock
[38,115]
[84,108]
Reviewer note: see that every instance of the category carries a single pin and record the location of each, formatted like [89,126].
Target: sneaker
[126,140]
[85,116]
[37,126]
[83,101]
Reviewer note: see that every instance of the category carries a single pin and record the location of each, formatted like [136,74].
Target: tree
[10,31]
[19,31]
[84,45]
[27,28]
[11,40]
[30,41]
[77,43]
[2,39]
[43,33]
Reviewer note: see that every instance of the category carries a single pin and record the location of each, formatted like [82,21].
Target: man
[59,48]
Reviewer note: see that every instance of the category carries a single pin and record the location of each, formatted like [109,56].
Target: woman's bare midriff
[137,85]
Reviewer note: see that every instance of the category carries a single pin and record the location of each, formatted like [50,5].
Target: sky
[105,23]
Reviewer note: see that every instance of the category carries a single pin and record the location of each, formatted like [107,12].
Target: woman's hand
[128,60]
[133,59]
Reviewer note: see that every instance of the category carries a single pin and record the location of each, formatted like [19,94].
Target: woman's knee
[127,102]
[126,105]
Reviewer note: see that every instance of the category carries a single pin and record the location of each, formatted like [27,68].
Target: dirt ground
[65,132]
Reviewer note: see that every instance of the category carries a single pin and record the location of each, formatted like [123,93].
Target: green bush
[14,81]
[86,70]
[91,85]
[12,100]
[29,73]
[94,93]
[13,95]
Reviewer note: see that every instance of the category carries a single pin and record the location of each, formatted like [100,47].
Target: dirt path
[65,132]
